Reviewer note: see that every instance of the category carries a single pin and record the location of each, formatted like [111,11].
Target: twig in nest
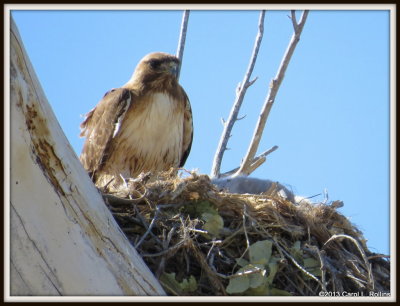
[378,256]
[196,230]
[128,217]
[144,223]
[323,267]
[302,269]
[175,247]
[311,291]
[213,243]
[148,229]
[178,190]
[108,183]
[206,268]
[246,236]
[169,288]
[244,227]
[185,240]
[360,249]
[164,206]
[295,286]
[360,283]
[247,272]
[117,201]
[124,180]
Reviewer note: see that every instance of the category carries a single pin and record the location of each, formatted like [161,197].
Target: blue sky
[330,118]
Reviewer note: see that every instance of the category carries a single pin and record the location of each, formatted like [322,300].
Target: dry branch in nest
[199,241]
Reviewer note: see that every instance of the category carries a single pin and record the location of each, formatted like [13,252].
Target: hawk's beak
[173,69]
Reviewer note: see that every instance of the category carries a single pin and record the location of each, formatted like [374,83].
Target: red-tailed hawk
[146,125]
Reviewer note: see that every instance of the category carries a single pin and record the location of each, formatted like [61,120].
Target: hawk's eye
[155,64]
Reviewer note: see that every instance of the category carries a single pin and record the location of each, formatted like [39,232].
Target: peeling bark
[63,239]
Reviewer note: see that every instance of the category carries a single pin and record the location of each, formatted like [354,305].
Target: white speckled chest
[150,136]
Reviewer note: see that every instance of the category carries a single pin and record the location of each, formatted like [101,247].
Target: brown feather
[98,128]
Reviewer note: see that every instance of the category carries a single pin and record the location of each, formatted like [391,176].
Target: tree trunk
[63,239]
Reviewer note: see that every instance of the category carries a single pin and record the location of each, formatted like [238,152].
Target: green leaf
[238,284]
[189,285]
[257,279]
[214,223]
[196,209]
[241,262]
[205,207]
[169,279]
[297,245]
[260,252]
[313,266]
[261,290]
[310,263]
[273,268]
[296,251]
[266,290]
[276,291]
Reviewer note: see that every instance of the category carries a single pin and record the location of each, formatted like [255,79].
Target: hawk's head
[159,62]
[156,67]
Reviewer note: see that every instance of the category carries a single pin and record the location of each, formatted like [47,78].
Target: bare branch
[255,163]
[294,21]
[240,93]
[245,167]
[182,39]
[258,161]
[241,118]
[251,82]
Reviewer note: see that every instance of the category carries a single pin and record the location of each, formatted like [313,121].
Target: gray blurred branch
[182,39]
[240,93]
[246,166]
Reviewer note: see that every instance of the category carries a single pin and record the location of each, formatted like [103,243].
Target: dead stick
[269,101]
[182,39]
[255,163]
[240,93]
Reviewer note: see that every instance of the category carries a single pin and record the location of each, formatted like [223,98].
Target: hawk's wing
[100,127]
[187,130]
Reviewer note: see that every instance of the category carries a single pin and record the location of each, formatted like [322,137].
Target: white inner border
[112,7]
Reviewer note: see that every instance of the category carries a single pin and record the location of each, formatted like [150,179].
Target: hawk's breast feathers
[144,126]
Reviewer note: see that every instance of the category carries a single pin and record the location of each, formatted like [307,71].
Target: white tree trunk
[63,239]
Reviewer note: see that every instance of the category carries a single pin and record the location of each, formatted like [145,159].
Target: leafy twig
[245,168]
[240,93]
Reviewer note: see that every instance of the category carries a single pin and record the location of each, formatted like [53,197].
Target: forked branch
[255,163]
[246,166]
[240,93]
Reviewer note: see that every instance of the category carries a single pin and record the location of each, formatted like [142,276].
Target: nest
[200,241]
